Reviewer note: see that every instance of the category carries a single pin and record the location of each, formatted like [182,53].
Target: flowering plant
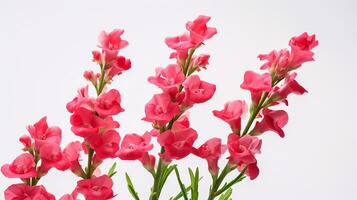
[181,89]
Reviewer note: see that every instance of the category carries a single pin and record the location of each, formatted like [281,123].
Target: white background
[45,46]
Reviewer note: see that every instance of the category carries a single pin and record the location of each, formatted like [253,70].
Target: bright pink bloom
[168,79]
[108,103]
[232,113]
[148,161]
[200,62]
[41,133]
[86,123]
[256,84]
[273,120]
[177,142]
[160,109]
[199,31]
[180,43]
[22,191]
[26,141]
[105,145]
[118,65]
[82,100]
[112,41]
[197,91]
[242,152]
[89,75]
[52,156]
[72,154]
[290,86]
[22,167]
[304,41]
[134,146]
[211,151]
[96,188]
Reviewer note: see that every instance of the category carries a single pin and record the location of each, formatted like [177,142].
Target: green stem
[217,181]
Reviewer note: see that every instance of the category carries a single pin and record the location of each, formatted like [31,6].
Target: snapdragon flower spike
[211,150]
[26,192]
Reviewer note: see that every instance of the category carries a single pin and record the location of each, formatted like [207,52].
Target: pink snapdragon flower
[256,84]
[168,79]
[42,134]
[86,123]
[242,152]
[72,153]
[199,32]
[177,142]
[81,100]
[232,113]
[112,41]
[197,91]
[179,43]
[96,188]
[273,120]
[105,145]
[304,41]
[108,103]
[160,109]
[22,167]
[211,150]
[135,147]
[200,62]
[22,191]
[290,86]
[52,156]
[26,141]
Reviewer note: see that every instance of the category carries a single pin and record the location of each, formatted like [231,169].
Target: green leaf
[131,188]
[226,195]
[182,186]
[166,171]
[112,171]
[195,178]
[236,180]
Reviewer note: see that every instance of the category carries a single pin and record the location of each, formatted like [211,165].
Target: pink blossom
[242,152]
[256,84]
[298,57]
[211,151]
[290,86]
[22,167]
[148,161]
[52,156]
[273,120]
[96,188]
[81,100]
[199,31]
[26,141]
[22,191]
[197,91]
[108,103]
[304,41]
[232,113]
[105,145]
[168,79]
[86,123]
[180,43]
[177,142]
[112,41]
[117,65]
[160,109]
[200,62]
[134,146]
[41,133]
[72,154]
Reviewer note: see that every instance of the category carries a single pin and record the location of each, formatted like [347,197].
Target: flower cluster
[181,88]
